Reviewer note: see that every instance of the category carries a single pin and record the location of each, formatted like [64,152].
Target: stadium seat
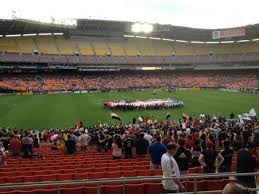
[143,173]
[97,175]
[112,189]
[77,190]
[157,172]
[48,191]
[64,177]
[134,188]
[91,190]
[153,188]
[114,174]
[215,184]
[81,176]
[47,178]
[130,173]
[14,179]
[30,179]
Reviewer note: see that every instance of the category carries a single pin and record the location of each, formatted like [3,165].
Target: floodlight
[138,27]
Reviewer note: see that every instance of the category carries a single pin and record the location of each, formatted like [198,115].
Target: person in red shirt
[169,138]
[15,146]
[189,143]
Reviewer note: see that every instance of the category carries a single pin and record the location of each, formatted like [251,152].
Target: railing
[124,180]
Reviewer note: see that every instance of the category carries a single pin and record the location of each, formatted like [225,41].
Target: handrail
[122,180]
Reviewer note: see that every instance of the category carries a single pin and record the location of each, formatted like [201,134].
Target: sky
[190,13]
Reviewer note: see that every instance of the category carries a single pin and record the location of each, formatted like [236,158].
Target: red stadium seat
[134,188]
[112,189]
[91,190]
[78,190]
[81,176]
[30,179]
[64,177]
[129,173]
[154,188]
[115,174]
[48,191]
[157,172]
[215,185]
[47,178]
[143,173]
[14,179]
[97,175]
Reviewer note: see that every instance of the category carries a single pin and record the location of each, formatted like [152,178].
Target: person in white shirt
[170,169]
[148,137]
[84,140]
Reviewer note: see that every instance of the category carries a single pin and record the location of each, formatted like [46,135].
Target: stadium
[80,102]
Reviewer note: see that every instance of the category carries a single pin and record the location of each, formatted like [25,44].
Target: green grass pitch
[63,110]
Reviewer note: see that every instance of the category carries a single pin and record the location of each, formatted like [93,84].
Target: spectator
[156,151]
[128,145]
[116,148]
[84,140]
[210,159]
[148,137]
[189,143]
[141,146]
[227,154]
[196,152]
[2,154]
[183,157]
[234,188]
[246,162]
[170,168]
[169,138]
[70,145]
[15,146]
[27,146]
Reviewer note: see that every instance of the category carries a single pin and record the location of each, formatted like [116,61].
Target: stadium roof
[106,28]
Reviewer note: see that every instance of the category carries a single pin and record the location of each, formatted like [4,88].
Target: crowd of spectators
[128,80]
[207,142]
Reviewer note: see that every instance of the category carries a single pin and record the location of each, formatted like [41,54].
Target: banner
[229,33]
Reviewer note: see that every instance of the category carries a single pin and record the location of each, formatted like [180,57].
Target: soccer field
[63,110]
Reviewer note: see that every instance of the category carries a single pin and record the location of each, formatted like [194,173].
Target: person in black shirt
[227,154]
[210,159]
[128,145]
[183,157]
[196,152]
[246,163]
[70,145]
[141,145]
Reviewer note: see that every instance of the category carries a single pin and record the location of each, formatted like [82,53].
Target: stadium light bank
[142,27]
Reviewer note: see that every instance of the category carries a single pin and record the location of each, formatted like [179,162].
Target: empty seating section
[147,48]
[66,46]
[84,47]
[100,47]
[119,46]
[8,45]
[131,47]
[47,45]
[26,44]
[182,48]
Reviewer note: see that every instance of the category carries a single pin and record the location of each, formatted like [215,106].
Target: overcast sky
[191,13]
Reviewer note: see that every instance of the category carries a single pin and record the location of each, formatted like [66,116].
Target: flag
[140,119]
[252,112]
[115,116]
[78,124]
[168,115]
[186,117]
